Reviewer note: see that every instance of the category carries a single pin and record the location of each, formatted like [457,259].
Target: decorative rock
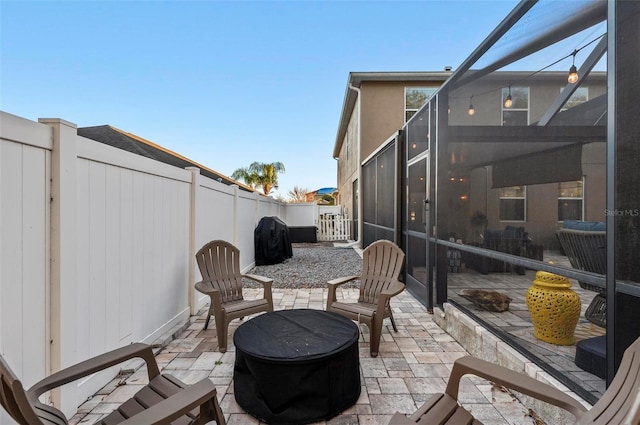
[311,266]
[487,300]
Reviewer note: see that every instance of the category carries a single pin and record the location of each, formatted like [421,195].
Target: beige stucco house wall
[372,111]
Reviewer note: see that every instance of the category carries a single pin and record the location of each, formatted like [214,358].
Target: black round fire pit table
[296,366]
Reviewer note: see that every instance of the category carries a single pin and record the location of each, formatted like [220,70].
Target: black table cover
[296,366]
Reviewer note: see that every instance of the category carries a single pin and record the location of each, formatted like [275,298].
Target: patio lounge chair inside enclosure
[219,264]
[510,240]
[163,400]
[382,262]
[619,405]
[585,245]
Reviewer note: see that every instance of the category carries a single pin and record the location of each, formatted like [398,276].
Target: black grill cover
[296,366]
[272,242]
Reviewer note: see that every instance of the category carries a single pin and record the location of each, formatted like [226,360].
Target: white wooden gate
[333,227]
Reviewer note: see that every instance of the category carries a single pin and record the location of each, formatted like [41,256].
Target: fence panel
[215,205]
[133,240]
[247,219]
[25,174]
[301,214]
[131,254]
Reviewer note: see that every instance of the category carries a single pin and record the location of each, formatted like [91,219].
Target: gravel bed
[311,266]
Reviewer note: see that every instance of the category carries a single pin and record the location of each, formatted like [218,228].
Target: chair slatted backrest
[219,264]
[14,398]
[586,250]
[381,265]
[619,399]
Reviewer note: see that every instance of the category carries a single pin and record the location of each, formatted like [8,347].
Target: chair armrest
[393,289]
[214,294]
[633,416]
[266,283]
[205,287]
[342,280]
[97,364]
[333,285]
[257,278]
[401,419]
[512,380]
[177,405]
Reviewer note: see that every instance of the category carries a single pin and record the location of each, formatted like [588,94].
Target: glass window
[513,203]
[570,200]
[414,98]
[581,95]
[517,111]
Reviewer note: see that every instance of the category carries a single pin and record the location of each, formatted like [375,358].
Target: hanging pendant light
[508,102]
[471,110]
[573,71]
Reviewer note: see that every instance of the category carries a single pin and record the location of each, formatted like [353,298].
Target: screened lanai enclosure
[514,166]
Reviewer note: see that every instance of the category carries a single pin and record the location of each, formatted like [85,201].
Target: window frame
[431,89]
[578,89]
[572,198]
[505,92]
[524,201]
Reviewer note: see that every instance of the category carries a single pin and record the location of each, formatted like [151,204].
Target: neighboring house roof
[130,142]
[326,190]
[321,192]
[356,79]
[317,195]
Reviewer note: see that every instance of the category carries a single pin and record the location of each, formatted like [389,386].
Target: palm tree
[298,194]
[245,174]
[264,175]
[269,175]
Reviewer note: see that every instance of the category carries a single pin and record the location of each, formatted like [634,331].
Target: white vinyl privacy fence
[97,248]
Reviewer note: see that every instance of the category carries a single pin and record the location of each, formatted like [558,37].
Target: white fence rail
[333,227]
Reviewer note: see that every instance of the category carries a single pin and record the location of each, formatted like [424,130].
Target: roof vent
[447,68]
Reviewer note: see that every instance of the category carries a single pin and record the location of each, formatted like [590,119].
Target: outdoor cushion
[593,226]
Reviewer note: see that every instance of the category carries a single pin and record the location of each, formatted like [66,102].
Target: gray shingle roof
[130,142]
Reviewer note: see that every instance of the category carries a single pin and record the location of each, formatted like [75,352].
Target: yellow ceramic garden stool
[554,308]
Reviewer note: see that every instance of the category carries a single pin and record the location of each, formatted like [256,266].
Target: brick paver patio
[413,364]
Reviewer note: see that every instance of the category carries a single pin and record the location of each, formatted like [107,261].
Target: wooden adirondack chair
[382,262]
[620,404]
[164,400]
[219,264]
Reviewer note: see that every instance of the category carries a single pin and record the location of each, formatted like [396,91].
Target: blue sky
[225,83]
